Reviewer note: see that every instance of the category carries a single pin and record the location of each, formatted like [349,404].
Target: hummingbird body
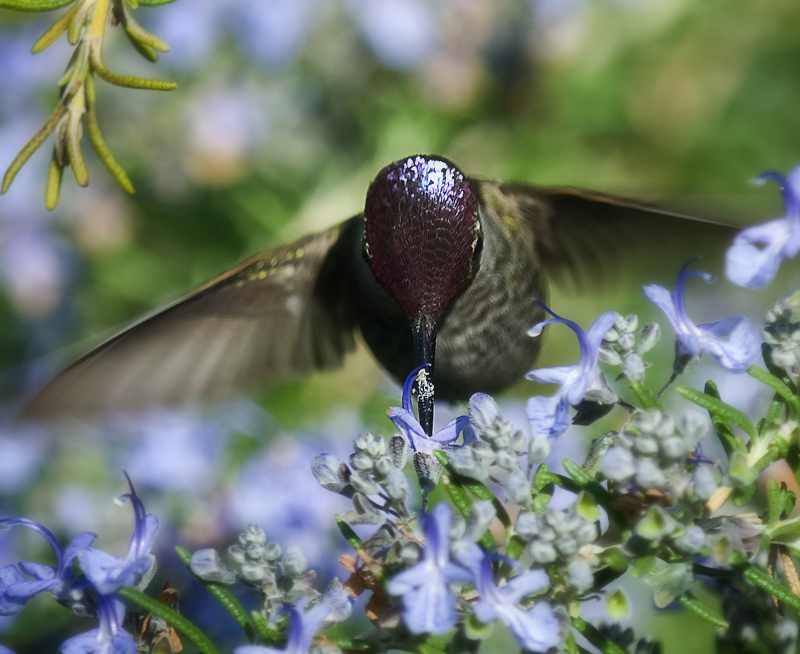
[439,269]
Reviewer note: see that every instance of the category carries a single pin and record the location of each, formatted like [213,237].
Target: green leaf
[655,524]
[129,81]
[55,30]
[349,535]
[788,528]
[53,184]
[542,477]
[698,608]
[224,597]
[32,146]
[34,5]
[719,408]
[776,385]
[743,494]
[617,605]
[776,498]
[96,137]
[587,507]
[268,634]
[599,640]
[615,559]
[170,615]
[770,585]
[581,477]
[646,397]
[644,565]
[739,471]
[542,499]
[515,547]
[351,644]
[463,503]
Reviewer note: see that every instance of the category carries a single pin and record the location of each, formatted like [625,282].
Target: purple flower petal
[550,416]
[753,259]
[736,353]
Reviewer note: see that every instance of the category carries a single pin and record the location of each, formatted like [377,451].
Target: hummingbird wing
[581,235]
[279,313]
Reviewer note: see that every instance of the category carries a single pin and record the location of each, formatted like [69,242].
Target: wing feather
[266,320]
[585,236]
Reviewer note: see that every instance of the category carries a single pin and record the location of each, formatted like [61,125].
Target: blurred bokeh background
[284,112]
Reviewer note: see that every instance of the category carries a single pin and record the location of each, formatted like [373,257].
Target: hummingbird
[440,269]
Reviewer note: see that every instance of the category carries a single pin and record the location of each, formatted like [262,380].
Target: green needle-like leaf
[127,80]
[349,535]
[77,23]
[776,385]
[476,488]
[140,35]
[581,477]
[646,397]
[267,633]
[55,30]
[53,184]
[180,623]
[600,641]
[463,503]
[770,585]
[96,137]
[73,136]
[718,407]
[32,146]
[224,597]
[698,608]
[776,500]
[34,5]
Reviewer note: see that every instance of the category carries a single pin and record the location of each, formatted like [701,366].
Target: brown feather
[267,319]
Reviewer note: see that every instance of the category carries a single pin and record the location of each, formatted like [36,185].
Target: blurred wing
[583,236]
[280,313]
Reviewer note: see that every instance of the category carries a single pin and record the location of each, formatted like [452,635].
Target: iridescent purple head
[421,230]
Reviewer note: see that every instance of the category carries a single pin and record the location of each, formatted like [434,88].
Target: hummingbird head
[421,238]
[421,234]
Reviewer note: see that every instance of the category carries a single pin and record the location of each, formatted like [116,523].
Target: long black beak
[423,333]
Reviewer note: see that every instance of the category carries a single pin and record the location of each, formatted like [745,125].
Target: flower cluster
[282,578]
[94,591]
[650,454]
[560,537]
[620,347]
[495,442]
[782,333]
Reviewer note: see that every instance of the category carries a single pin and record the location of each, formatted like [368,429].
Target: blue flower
[109,637]
[736,353]
[108,573]
[16,590]
[303,625]
[405,421]
[549,416]
[428,605]
[536,629]
[752,266]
